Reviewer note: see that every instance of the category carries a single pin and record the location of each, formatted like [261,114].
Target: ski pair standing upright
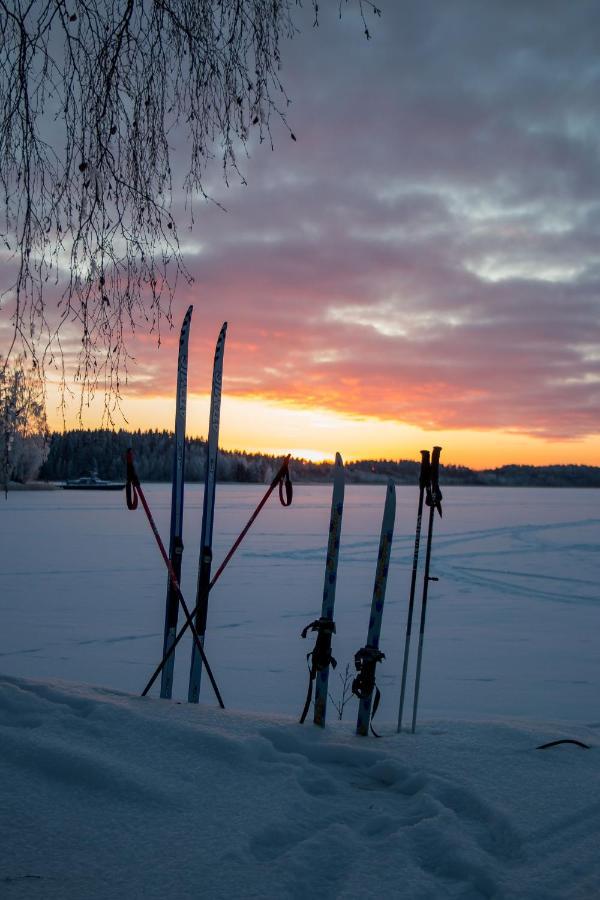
[429,489]
[367,657]
[176,528]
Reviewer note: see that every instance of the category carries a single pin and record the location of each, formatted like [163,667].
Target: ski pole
[134,490]
[433,501]
[282,478]
[424,480]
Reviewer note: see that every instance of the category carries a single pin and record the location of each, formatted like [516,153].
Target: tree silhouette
[90,95]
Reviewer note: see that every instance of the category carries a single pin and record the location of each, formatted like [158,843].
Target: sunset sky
[421,266]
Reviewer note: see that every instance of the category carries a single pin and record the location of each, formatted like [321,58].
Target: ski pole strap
[320,655]
[425,473]
[285,480]
[363,685]
[132,484]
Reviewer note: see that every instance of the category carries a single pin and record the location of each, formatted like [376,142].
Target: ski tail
[434,502]
[368,656]
[208,511]
[424,484]
[320,656]
[176,529]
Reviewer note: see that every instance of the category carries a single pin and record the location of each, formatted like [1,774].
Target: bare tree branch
[90,94]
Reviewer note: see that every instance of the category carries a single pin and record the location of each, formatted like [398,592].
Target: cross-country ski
[320,656]
[208,512]
[367,657]
[176,529]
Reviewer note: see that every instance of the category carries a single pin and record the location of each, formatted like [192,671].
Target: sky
[421,265]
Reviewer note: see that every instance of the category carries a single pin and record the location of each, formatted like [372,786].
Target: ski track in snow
[96,784]
[510,623]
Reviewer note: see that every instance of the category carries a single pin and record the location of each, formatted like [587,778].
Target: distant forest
[79,452]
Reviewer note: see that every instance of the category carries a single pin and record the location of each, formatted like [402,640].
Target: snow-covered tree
[23,431]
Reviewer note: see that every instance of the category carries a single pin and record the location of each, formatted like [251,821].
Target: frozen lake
[513,621]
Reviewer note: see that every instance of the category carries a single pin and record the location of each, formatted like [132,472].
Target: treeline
[102,452]
[75,453]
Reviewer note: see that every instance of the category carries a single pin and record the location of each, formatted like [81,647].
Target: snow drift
[106,795]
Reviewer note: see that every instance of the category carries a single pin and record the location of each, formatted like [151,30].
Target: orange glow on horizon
[316,434]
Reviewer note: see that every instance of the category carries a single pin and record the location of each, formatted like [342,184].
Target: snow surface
[512,623]
[105,795]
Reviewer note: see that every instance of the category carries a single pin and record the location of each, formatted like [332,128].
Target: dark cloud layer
[427,250]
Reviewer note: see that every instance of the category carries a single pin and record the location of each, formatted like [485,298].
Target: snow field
[105,795]
[511,628]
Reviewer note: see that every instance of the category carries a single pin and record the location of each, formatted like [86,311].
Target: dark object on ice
[563,741]
[133,491]
[92,483]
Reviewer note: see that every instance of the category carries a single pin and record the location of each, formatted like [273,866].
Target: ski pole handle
[436,494]
[435,464]
[425,474]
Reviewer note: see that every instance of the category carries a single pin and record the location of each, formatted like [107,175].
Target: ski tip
[223,327]
[338,459]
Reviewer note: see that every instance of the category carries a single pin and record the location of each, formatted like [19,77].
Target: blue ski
[320,655]
[176,531]
[368,656]
[208,512]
